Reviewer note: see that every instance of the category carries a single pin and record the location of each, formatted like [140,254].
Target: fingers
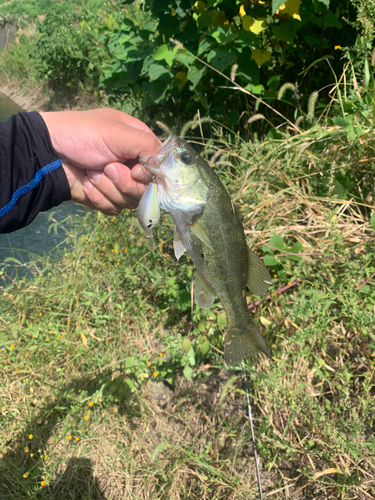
[97,200]
[117,185]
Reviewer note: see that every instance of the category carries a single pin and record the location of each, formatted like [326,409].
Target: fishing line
[253,436]
[243,365]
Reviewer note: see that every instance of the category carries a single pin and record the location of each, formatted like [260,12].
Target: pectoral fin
[203,295]
[200,233]
[179,247]
[259,278]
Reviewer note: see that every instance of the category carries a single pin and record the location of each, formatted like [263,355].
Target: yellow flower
[31,324]
[77,438]
[86,417]
[47,340]
[12,346]
[88,412]
[289,284]
[148,364]
[45,458]
[30,436]
[91,403]
[59,335]
[274,294]
[26,475]
[27,450]
[166,220]
[113,250]
[155,374]
[275,275]
[26,354]
[43,483]
[53,331]
[337,47]
[40,314]
[69,437]
[31,454]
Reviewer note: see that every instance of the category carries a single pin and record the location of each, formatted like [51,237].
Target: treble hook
[145,164]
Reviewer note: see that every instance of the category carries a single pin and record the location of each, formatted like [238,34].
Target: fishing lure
[149,213]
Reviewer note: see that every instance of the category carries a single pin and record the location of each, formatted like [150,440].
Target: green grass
[102,331]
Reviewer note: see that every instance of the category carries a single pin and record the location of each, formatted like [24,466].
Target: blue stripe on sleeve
[31,185]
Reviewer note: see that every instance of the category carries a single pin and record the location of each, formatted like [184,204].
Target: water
[34,239]
[7,108]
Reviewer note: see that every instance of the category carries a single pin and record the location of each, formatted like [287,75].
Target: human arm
[90,146]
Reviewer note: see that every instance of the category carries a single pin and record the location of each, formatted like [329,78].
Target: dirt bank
[22,101]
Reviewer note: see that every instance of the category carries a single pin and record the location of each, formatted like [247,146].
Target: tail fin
[239,344]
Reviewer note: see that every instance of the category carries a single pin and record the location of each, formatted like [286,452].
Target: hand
[99,150]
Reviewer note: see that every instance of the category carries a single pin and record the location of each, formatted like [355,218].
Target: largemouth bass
[210,228]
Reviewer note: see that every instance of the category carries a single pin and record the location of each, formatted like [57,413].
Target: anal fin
[203,295]
[259,278]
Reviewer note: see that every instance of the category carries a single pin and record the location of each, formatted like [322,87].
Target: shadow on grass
[26,453]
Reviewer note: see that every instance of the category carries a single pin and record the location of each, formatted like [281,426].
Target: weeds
[121,383]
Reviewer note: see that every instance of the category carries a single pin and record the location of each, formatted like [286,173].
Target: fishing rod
[243,365]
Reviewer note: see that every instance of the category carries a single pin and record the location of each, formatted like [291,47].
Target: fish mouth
[153,163]
[166,142]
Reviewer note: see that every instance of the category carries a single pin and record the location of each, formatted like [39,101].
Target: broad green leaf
[269,260]
[186,345]
[204,45]
[205,347]
[157,70]
[221,58]
[277,242]
[164,52]
[340,121]
[195,74]
[207,18]
[199,6]
[285,32]
[291,7]
[188,371]
[185,58]
[129,363]
[276,5]
[191,356]
[260,56]
[181,77]
[297,247]
[254,25]
[222,319]
[351,135]
[258,26]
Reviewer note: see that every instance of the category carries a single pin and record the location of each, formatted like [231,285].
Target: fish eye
[185,158]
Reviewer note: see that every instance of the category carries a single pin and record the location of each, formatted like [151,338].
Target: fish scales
[211,231]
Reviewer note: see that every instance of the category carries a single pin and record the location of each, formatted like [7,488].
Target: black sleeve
[32,179]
